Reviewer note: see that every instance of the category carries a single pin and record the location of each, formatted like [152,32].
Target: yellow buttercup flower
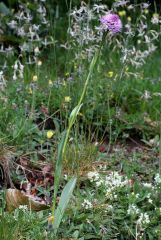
[50,134]
[64,83]
[30,90]
[67,74]
[110,74]
[122,13]
[67,99]
[50,82]
[146,11]
[75,66]
[34,79]
[129,19]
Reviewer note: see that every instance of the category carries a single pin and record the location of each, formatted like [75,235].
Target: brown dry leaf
[15,198]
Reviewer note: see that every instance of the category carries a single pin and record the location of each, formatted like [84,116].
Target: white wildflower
[24,208]
[137,195]
[148,195]
[87,204]
[119,3]
[115,180]
[157,178]
[12,24]
[145,5]
[150,200]
[36,50]
[155,19]
[21,31]
[2,81]
[146,95]
[147,185]
[110,207]
[143,219]
[93,176]
[133,210]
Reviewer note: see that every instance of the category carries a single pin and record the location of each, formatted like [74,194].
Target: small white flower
[143,219]
[109,207]
[99,183]
[137,195]
[146,95]
[149,195]
[157,178]
[93,176]
[150,200]
[145,5]
[24,208]
[12,24]
[147,185]
[14,76]
[65,176]
[36,50]
[155,19]
[87,204]
[133,210]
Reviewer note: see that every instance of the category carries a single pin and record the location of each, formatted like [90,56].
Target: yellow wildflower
[50,134]
[146,11]
[67,99]
[156,15]
[75,66]
[30,90]
[50,82]
[122,13]
[110,74]
[64,83]
[129,19]
[67,74]
[34,79]
[80,114]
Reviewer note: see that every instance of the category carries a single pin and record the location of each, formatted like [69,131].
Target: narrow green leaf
[64,200]
[74,114]
[4,9]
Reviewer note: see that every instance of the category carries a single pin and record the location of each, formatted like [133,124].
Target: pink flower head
[112,22]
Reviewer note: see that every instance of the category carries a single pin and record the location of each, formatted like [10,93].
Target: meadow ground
[80,126]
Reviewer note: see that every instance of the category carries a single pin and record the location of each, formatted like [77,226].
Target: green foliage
[50,81]
[97,211]
[63,203]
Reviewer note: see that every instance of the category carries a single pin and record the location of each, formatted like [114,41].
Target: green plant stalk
[65,135]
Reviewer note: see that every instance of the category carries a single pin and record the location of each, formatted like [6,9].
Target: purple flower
[112,22]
